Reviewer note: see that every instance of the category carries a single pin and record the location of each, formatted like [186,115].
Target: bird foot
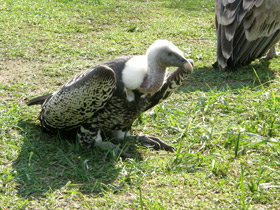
[114,148]
[155,142]
[146,140]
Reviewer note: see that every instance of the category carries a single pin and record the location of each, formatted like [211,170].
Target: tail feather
[39,99]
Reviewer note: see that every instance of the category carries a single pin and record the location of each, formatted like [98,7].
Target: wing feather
[245,30]
[79,99]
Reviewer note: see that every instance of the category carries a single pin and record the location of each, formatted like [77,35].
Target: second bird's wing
[246,30]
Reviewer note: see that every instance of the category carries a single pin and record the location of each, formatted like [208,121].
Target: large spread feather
[246,30]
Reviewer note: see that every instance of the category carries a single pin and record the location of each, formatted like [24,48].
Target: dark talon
[163,144]
[145,140]
[155,142]
[126,155]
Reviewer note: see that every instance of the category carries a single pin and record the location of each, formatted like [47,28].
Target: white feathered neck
[139,67]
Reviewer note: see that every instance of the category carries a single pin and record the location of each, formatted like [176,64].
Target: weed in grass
[242,189]
[140,197]
[236,146]
[254,184]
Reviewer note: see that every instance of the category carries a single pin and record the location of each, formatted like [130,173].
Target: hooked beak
[188,65]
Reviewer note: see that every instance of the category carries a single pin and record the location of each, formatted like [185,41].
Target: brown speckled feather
[79,98]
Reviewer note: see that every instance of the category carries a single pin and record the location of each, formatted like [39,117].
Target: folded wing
[79,99]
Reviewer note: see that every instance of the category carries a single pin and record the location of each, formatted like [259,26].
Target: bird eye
[169,54]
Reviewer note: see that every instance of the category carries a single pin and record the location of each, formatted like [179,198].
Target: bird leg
[271,53]
[155,142]
[105,145]
[90,136]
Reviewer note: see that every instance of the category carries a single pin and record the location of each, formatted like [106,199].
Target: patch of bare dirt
[20,71]
[17,71]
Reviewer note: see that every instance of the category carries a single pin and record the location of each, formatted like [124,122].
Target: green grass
[225,125]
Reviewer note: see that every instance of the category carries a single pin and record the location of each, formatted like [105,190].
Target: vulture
[246,30]
[102,102]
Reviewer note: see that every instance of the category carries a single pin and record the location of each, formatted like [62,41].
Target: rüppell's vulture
[105,100]
[246,30]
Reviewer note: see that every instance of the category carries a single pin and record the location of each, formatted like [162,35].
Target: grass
[225,125]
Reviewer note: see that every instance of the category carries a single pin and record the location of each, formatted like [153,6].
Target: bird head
[165,54]
[160,55]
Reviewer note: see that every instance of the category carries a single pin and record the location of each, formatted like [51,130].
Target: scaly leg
[271,54]
[90,136]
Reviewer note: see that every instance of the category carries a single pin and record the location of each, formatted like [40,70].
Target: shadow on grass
[49,162]
[208,78]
